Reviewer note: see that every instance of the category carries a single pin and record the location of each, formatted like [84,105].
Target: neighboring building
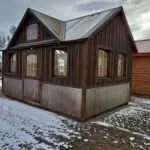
[79,67]
[141,69]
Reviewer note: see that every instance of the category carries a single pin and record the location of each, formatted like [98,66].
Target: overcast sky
[137,11]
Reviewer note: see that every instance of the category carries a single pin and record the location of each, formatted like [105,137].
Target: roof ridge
[94,13]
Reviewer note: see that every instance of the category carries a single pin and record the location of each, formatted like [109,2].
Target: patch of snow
[102,123]
[86,140]
[141,100]
[115,142]
[79,137]
[131,138]
[122,129]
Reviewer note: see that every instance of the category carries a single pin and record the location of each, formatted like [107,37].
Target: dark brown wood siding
[74,78]
[114,38]
[43,33]
[45,64]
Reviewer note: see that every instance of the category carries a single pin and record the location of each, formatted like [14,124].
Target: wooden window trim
[32,40]
[37,53]
[109,66]
[8,64]
[32,69]
[65,49]
[124,67]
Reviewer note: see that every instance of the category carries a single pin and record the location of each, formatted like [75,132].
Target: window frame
[10,68]
[27,52]
[109,59]
[31,68]
[30,40]
[8,64]
[124,67]
[53,63]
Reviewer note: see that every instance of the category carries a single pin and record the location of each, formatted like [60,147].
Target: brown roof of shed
[143,46]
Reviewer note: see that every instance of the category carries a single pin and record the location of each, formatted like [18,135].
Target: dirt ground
[24,127]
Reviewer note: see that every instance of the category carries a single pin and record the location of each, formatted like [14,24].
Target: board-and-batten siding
[43,34]
[141,75]
[81,94]
[113,37]
[75,71]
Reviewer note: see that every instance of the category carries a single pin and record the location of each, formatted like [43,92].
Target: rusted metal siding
[141,75]
[12,87]
[101,99]
[62,99]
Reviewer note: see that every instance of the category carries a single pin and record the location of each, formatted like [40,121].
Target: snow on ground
[26,127]
[134,117]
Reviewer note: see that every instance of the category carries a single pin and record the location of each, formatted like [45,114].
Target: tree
[12,30]
[2,41]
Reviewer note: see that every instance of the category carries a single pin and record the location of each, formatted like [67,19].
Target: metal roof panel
[77,28]
[143,46]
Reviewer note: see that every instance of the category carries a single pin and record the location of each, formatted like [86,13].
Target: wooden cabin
[80,67]
[141,69]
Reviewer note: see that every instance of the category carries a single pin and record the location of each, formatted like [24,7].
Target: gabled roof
[57,27]
[78,28]
[75,29]
[143,46]
[83,27]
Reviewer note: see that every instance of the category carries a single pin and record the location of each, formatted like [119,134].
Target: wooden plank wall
[21,37]
[45,63]
[114,38]
[74,77]
[141,75]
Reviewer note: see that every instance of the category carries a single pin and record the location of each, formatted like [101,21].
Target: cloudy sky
[137,11]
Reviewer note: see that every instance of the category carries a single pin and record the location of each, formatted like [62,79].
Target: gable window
[13,63]
[32,32]
[31,65]
[102,63]
[121,65]
[60,63]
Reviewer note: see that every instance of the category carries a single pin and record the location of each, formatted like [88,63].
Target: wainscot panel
[13,87]
[62,99]
[104,98]
[31,90]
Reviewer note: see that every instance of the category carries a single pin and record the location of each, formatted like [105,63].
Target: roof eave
[141,54]
[33,44]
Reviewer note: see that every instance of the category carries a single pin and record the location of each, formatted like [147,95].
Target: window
[32,32]
[32,65]
[13,63]
[102,63]
[121,65]
[60,63]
